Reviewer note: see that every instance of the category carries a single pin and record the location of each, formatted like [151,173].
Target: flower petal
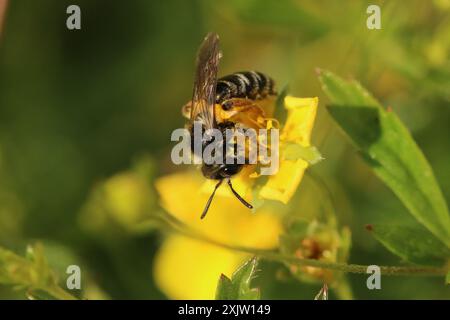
[190,269]
[227,221]
[298,127]
[282,186]
[185,268]
[300,119]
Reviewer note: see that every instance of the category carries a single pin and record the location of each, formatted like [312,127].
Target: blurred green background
[79,107]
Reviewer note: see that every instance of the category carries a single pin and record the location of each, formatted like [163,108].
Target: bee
[231,102]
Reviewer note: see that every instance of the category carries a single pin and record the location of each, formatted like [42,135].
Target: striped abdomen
[248,84]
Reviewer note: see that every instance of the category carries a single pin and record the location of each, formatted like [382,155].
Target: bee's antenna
[210,199]
[245,203]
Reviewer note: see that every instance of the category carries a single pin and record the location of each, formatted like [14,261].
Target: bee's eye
[231,169]
[227,105]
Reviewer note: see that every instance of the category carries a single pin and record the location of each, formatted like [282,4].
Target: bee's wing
[204,96]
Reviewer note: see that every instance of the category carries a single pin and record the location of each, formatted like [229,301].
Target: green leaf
[412,243]
[447,278]
[282,14]
[225,288]
[238,287]
[31,273]
[390,151]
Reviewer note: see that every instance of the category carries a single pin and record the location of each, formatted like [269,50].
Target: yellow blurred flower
[186,268]
[123,200]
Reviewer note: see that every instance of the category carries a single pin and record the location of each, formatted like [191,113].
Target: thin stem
[59,293]
[176,225]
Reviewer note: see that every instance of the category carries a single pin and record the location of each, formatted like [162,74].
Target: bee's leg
[241,108]
[240,104]
[210,199]
[245,203]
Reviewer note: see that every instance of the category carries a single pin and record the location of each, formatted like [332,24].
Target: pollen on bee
[227,144]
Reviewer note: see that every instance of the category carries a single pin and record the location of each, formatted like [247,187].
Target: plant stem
[179,227]
[59,293]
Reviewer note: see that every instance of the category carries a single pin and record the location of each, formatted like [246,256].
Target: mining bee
[231,102]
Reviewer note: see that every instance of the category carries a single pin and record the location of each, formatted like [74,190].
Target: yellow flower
[297,130]
[189,269]
[185,268]
[298,127]
[123,200]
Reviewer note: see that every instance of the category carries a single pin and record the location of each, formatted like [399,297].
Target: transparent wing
[204,96]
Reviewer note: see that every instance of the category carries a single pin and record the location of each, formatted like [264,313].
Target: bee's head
[220,171]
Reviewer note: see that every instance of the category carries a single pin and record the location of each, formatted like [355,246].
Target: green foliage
[390,151]
[76,107]
[31,273]
[412,243]
[286,14]
[238,287]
